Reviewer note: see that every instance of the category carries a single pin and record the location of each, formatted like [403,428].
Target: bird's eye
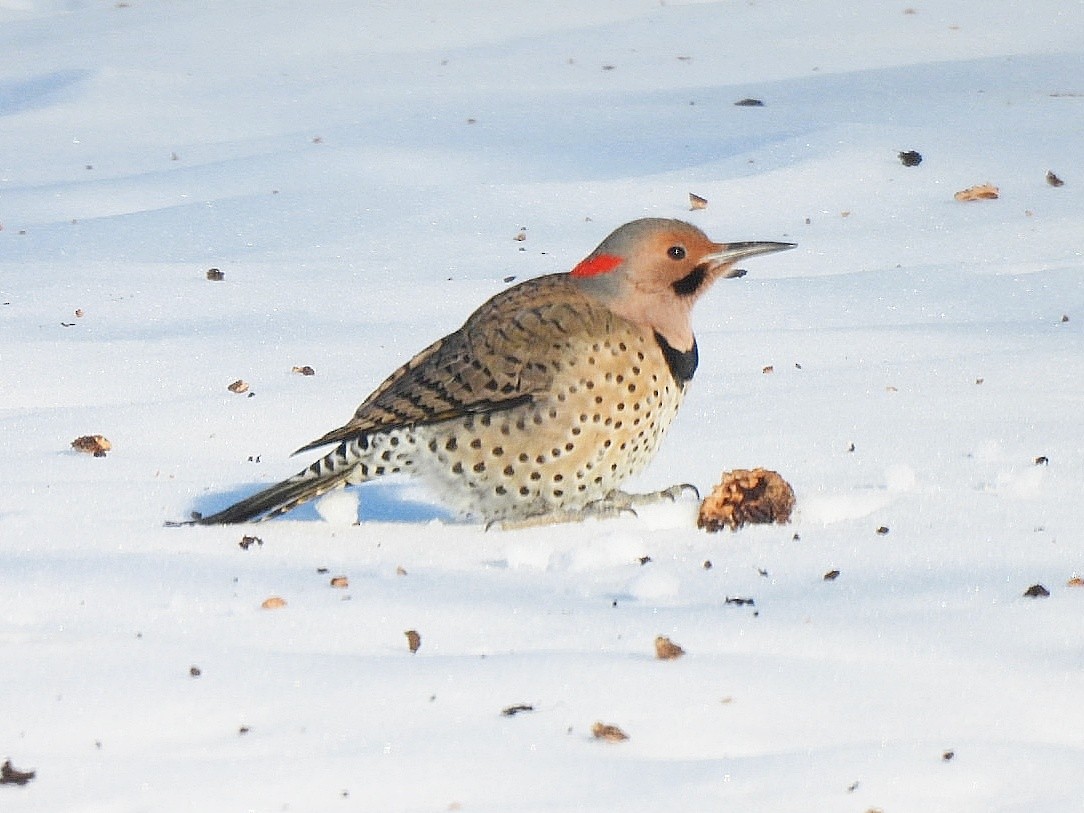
[676,252]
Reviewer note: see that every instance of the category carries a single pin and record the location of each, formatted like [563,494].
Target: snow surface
[359,172]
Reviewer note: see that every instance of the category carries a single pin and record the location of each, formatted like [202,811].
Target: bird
[552,393]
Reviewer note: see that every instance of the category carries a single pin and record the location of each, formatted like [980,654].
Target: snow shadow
[379,502]
[17,96]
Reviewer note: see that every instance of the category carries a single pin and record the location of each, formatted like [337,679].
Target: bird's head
[651,271]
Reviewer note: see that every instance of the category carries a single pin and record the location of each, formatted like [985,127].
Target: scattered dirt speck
[518,708]
[248,541]
[96,445]
[984,191]
[667,650]
[9,775]
[608,732]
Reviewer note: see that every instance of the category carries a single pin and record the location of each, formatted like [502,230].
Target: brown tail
[327,473]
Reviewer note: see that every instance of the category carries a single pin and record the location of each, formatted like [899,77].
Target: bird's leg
[614,504]
[599,509]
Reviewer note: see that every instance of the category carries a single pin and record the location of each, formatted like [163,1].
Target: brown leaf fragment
[1053,179]
[238,386]
[518,708]
[400,570]
[414,640]
[340,582]
[747,496]
[10,776]
[96,445]
[215,275]
[608,732]
[667,650]
[983,191]
[305,370]
[1036,591]
[831,575]
[768,369]
[697,202]
[273,603]
[1076,581]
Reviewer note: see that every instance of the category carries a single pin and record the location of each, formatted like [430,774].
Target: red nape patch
[600,264]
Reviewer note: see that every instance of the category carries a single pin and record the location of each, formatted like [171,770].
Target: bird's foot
[633,501]
[614,504]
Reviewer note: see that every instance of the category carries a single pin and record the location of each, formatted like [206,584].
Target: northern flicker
[552,394]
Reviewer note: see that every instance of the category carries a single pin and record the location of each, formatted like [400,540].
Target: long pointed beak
[730,253]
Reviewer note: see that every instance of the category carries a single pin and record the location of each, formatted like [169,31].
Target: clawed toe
[675,491]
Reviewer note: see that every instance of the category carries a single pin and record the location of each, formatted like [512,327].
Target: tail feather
[326,474]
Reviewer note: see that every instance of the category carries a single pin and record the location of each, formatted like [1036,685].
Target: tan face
[651,272]
[674,262]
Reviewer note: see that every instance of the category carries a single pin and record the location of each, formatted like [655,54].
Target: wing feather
[505,355]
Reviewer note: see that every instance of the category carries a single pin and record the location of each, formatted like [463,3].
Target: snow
[359,172]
